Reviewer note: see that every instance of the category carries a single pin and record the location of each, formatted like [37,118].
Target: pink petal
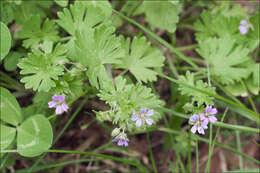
[212,119]
[55,97]
[64,107]
[58,110]
[202,116]
[208,108]
[201,131]
[62,98]
[52,104]
[214,111]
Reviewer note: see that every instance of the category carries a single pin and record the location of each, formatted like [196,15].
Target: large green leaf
[9,108]
[5,41]
[7,136]
[34,136]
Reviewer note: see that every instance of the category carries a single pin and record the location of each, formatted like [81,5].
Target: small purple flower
[209,115]
[58,102]
[198,124]
[142,117]
[121,141]
[244,26]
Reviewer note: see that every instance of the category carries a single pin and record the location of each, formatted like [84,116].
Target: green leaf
[24,11]
[7,12]
[62,3]
[42,69]
[84,15]
[226,60]
[215,25]
[141,58]
[163,15]
[11,60]
[35,32]
[10,109]
[34,136]
[95,49]
[7,136]
[5,41]
[197,97]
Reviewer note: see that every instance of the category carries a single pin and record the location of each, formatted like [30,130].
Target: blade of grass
[151,153]
[54,165]
[197,157]
[240,159]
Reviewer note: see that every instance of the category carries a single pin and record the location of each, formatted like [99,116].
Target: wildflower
[142,117]
[198,124]
[121,140]
[58,102]
[244,26]
[209,115]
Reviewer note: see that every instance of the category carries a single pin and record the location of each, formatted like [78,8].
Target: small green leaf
[10,110]
[34,136]
[62,3]
[7,136]
[162,15]
[141,58]
[11,60]
[5,40]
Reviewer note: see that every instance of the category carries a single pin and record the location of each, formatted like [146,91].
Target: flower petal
[202,116]
[243,29]
[212,119]
[243,22]
[149,121]
[143,110]
[208,108]
[55,97]
[194,118]
[120,142]
[64,107]
[193,129]
[115,140]
[150,112]
[214,111]
[201,130]
[138,123]
[62,98]
[59,110]
[52,104]
[135,117]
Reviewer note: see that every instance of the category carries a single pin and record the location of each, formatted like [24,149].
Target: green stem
[197,157]
[211,143]
[240,159]
[151,153]
[189,150]
[249,97]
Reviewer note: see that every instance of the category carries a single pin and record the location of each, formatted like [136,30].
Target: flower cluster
[200,122]
[121,141]
[142,117]
[58,102]
[244,26]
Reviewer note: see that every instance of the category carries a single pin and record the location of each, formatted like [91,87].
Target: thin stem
[151,153]
[240,159]
[212,143]
[197,157]
[189,150]
[249,97]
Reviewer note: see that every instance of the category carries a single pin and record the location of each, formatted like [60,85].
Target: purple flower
[121,141]
[209,115]
[198,124]
[243,28]
[142,117]
[58,102]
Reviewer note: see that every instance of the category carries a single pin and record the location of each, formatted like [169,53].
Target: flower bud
[115,132]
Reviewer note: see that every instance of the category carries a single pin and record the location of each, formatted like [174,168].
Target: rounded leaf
[10,110]
[5,40]
[11,60]
[7,136]
[34,136]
